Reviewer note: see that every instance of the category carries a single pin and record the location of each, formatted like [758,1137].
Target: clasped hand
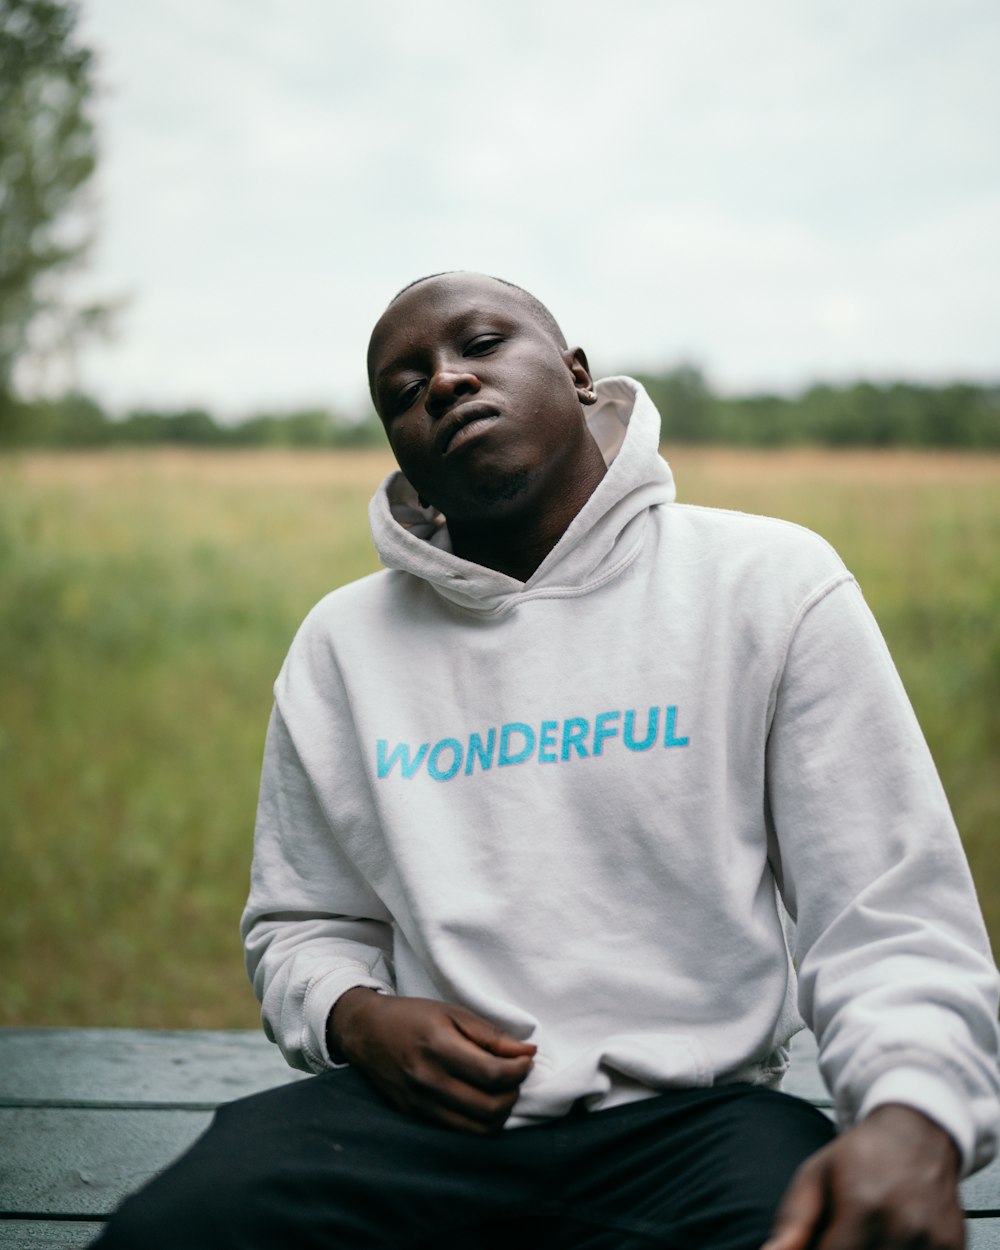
[430,1059]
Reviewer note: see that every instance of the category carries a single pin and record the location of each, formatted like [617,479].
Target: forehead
[438,306]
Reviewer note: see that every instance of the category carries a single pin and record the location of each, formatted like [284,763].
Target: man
[534,803]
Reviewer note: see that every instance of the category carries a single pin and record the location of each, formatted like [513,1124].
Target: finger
[891,1230]
[485,1071]
[451,1049]
[451,1068]
[462,1106]
[489,1037]
[426,1090]
[801,1211]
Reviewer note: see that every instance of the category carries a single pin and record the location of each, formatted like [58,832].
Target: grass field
[146,602]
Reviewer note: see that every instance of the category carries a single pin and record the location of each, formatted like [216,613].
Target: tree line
[859,414]
[856,414]
[48,154]
[77,421]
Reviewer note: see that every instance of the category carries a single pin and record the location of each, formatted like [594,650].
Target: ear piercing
[588,396]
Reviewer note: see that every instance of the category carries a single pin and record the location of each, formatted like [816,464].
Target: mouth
[467,417]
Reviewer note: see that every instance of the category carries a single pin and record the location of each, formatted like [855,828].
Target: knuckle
[497,1077]
[887,1224]
[419,1075]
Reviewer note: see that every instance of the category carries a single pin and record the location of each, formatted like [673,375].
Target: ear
[576,363]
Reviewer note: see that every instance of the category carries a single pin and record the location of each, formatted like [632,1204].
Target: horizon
[783,194]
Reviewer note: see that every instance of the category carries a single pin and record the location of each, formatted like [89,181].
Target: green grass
[147,600]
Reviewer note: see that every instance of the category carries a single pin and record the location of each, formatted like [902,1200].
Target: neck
[518,543]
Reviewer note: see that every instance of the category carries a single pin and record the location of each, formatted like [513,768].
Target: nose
[448,384]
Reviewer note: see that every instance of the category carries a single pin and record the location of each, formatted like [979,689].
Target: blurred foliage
[147,599]
[48,153]
[861,414]
[146,602]
[75,420]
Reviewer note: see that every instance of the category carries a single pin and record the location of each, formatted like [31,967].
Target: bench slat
[129,1066]
[982,1191]
[802,1077]
[84,1162]
[87,1115]
[982,1234]
[42,1234]
[77,1234]
[119,1067]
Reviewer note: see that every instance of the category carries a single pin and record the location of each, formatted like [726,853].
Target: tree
[684,400]
[48,153]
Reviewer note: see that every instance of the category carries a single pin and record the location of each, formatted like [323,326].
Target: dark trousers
[327,1163]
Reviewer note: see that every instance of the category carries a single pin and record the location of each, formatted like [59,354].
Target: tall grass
[147,600]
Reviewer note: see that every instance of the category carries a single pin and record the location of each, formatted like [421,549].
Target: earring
[588,397]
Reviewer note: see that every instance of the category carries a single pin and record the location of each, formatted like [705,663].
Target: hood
[603,538]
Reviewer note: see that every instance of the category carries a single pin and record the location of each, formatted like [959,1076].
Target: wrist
[915,1127]
[340,1022]
[936,1094]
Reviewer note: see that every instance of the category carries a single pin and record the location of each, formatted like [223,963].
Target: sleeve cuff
[927,1092]
[321,1000]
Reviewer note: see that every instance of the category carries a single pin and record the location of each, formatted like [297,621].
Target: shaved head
[532,301]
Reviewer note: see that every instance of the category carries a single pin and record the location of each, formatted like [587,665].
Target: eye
[407,396]
[483,343]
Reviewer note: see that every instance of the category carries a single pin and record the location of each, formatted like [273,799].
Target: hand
[431,1059]
[889,1183]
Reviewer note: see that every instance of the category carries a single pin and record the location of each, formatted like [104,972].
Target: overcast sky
[781,190]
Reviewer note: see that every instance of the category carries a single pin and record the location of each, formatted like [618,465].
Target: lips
[457,419]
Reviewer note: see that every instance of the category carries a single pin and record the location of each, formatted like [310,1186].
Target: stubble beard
[486,496]
[504,488]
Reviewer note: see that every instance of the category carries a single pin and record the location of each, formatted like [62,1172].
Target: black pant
[327,1163]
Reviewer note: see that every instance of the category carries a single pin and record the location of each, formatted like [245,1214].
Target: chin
[485,495]
[504,488]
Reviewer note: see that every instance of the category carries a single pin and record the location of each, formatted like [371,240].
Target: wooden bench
[87,1115]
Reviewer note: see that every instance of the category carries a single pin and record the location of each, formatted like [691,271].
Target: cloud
[778,189]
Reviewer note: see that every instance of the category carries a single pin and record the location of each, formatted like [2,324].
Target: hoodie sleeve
[312,928]
[896,978]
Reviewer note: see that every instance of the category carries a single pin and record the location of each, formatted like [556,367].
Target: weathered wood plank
[47,1234]
[83,1162]
[982,1191]
[982,1234]
[115,1066]
[172,1066]
[802,1077]
[76,1235]
[87,1115]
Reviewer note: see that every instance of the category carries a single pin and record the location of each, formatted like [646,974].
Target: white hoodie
[572,805]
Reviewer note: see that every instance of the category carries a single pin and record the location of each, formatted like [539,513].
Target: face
[482,403]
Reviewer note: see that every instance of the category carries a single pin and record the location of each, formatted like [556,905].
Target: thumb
[488,1037]
[800,1212]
